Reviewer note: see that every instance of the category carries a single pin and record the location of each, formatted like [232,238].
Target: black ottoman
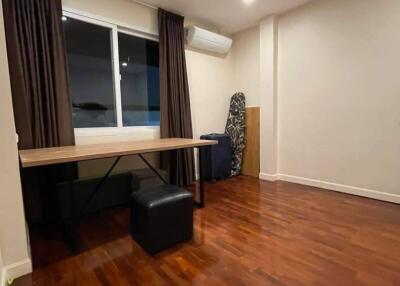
[161,217]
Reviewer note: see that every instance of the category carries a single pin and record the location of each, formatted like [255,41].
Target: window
[113,75]
[90,69]
[139,80]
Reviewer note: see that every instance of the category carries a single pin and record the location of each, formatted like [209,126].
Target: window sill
[115,134]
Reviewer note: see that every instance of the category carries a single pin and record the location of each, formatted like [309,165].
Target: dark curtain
[40,94]
[176,121]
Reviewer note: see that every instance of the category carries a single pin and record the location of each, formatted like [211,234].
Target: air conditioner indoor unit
[202,39]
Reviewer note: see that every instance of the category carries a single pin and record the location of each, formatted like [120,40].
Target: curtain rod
[145,4]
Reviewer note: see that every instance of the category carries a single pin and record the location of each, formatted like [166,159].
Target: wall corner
[269,95]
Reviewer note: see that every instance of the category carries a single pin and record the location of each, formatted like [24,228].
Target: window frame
[115,28]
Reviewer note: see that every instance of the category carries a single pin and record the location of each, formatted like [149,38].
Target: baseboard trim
[15,270]
[269,177]
[362,192]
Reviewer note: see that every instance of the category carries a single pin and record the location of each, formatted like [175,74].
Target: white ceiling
[228,16]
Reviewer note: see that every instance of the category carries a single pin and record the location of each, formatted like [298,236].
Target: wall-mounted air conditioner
[202,39]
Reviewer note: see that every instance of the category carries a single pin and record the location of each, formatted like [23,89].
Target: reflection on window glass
[139,80]
[90,68]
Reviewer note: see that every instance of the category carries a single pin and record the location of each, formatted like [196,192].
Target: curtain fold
[40,93]
[175,118]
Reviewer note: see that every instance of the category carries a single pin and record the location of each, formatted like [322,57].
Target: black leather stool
[161,217]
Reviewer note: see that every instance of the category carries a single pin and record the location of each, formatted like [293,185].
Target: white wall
[329,93]
[126,12]
[339,96]
[254,54]
[210,85]
[246,64]
[268,99]
[13,236]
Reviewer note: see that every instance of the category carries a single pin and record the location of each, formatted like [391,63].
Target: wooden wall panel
[251,160]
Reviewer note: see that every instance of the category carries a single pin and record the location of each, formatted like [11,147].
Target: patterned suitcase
[216,159]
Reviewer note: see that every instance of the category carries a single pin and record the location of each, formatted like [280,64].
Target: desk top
[66,154]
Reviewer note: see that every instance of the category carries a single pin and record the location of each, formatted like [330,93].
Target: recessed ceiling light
[64,18]
[124,64]
[248,2]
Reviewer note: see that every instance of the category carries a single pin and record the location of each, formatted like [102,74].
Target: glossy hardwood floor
[250,233]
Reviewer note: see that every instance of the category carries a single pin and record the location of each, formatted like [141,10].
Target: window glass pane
[140,92]
[90,68]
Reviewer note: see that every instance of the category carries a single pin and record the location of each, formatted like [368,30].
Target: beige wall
[339,95]
[13,237]
[246,64]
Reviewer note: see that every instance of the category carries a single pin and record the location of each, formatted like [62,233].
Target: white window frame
[115,28]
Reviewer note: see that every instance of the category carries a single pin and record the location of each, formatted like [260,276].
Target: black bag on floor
[216,159]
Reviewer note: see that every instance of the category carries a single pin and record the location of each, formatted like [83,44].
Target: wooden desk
[67,154]
[60,155]
[57,155]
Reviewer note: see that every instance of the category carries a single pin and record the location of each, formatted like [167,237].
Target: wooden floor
[250,233]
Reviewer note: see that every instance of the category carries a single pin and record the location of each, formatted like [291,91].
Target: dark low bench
[161,217]
[115,191]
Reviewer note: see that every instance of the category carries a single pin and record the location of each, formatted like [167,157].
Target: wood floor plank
[250,233]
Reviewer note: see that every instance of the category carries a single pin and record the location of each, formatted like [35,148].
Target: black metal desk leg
[153,169]
[200,204]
